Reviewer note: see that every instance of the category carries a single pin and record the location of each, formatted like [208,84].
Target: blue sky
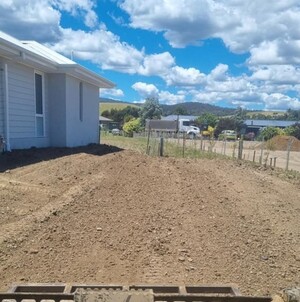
[226,52]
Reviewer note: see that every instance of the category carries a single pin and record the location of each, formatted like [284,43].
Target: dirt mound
[129,218]
[281,142]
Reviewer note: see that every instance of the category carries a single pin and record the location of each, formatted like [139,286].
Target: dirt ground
[102,215]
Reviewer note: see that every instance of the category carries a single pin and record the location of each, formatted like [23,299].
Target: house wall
[2,129]
[22,127]
[81,132]
[57,109]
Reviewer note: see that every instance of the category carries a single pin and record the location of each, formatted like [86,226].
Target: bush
[293,130]
[134,125]
[249,136]
[269,132]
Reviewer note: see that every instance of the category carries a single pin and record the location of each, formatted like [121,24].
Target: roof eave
[12,51]
[82,73]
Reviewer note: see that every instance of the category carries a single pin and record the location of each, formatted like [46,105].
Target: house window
[39,105]
[81,101]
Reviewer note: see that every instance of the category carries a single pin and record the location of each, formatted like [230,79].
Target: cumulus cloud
[279,101]
[277,74]
[40,20]
[157,64]
[179,76]
[114,93]
[101,47]
[170,98]
[145,90]
[183,22]
[245,26]
[37,20]
[268,31]
[79,8]
[219,73]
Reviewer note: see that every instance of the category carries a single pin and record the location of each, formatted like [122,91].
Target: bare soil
[91,216]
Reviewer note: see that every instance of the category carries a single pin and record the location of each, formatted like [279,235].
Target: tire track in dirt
[68,197]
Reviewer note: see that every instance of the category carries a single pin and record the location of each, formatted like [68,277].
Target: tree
[293,130]
[226,123]
[131,126]
[150,110]
[269,132]
[207,119]
[122,116]
[179,110]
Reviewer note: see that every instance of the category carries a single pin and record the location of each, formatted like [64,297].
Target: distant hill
[191,108]
[108,104]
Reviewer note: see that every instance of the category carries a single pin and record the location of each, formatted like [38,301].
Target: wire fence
[281,151]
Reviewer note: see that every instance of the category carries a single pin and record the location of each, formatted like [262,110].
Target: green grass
[118,106]
[266,113]
[130,143]
[172,147]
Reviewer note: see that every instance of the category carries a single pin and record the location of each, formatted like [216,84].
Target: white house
[45,98]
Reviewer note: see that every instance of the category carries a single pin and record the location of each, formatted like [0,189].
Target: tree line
[133,119]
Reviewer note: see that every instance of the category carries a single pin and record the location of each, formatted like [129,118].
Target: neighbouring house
[256,125]
[107,124]
[175,117]
[46,99]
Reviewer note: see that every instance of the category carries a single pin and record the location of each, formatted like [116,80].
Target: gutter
[6,109]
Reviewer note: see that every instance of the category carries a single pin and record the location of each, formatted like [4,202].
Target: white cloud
[40,20]
[36,20]
[183,22]
[171,99]
[79,8]
[276,52]
[277,74]
[219,73]
[270,30]
[157,64]
[280,101]
[114,92]
[179,76]
[101,47]
[145,90]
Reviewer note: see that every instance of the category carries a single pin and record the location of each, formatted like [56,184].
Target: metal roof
[175,117]
[46,52]
[104,119]
[36,55]
[269,123]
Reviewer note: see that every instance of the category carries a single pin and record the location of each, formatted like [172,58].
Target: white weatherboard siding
[2,129]
[85,131]
[22,123]
[57,109]
[65,114]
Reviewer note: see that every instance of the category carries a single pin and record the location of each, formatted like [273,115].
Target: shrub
[293,130]
[269,132]
[134,125]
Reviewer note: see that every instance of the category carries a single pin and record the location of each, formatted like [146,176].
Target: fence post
[161,147]
[254,153]
[261,152]
[148,141]
[288,153]
[240,154]
[275,162]
[271,162]
[183,144]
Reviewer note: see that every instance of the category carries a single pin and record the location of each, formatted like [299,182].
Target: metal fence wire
[281,151]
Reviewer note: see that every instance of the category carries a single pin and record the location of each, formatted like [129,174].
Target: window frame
[39,115]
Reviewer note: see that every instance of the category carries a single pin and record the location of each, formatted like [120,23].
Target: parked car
[228,135]
[116,131]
